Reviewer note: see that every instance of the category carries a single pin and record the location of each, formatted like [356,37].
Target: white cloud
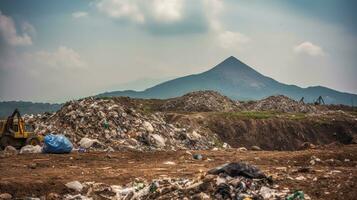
[79,14]
[9,33]
[225,38]
[63,57]
[168,10]
[127,9]
[213,8]
[309,49]
[229,39]
[139,11]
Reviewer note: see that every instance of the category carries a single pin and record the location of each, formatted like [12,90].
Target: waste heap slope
[281,103]
[116,123]
[201,101]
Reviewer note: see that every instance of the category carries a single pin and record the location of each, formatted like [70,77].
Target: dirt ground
[39,174]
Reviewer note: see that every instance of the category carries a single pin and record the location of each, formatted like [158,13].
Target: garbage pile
[104,123]
[230,181]
[201,101]
[281,103]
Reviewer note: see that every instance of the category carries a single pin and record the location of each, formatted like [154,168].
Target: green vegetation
[262,115]
[249,114]
[296,116]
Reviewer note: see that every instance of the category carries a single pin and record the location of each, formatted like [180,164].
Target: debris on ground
[31,149]
[220,185]
[197,156]
[238,169]
[10,151]
[4,196]
[255,148]
[87,143]
[75,185]
[297,195]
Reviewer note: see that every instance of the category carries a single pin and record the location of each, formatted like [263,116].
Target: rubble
[10,151]
[86,143]
[209,186]
[255,148]
[75,185]
[31,149]
[201,101]
[281,103]
[5,196]
[115,123]
[238,169]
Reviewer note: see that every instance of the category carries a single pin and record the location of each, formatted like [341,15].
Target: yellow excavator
[16,133]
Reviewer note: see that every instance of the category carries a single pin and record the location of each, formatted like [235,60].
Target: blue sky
[55,51]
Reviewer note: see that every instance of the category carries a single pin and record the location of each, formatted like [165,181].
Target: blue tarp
[57,144]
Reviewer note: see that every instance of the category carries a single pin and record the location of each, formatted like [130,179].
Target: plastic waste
[197,156]
[31,149]
[75,185]
[87,142]
[57,144]
[238,169]
[297,195]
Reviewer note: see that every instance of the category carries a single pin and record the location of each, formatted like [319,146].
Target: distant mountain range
[237,80]
[7,107]
[231,78]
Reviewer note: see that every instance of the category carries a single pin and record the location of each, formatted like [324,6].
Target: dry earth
[40,174]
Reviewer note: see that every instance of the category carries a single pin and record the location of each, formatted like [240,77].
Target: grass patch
[250,114]
[296,116]
[263,115]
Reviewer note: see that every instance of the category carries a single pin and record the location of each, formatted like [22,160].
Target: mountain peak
[232,58]
[231,63]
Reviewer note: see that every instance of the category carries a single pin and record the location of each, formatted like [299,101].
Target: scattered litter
[297,195]
[242,149]
[255,148]
[197,156]
[169,163]
[238,169]
[10,151]
[87,142]
[30,149]
[300,178]
[75,185]
[5,196]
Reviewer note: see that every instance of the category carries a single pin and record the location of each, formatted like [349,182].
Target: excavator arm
[10,124]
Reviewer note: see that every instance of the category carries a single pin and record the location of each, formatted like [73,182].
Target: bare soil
[40,174]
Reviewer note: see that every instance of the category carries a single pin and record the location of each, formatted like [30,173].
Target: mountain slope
[237,80]
[7,107]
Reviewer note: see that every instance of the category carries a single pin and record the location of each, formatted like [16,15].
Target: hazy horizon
[54,51]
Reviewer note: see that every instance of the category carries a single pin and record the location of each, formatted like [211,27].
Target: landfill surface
[328,172]
[199,146]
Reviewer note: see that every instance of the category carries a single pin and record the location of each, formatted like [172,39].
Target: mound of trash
[103,123]
[281,103]
[201,101]
[250,183]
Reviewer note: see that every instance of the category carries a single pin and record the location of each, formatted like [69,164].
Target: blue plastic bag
[57,144]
